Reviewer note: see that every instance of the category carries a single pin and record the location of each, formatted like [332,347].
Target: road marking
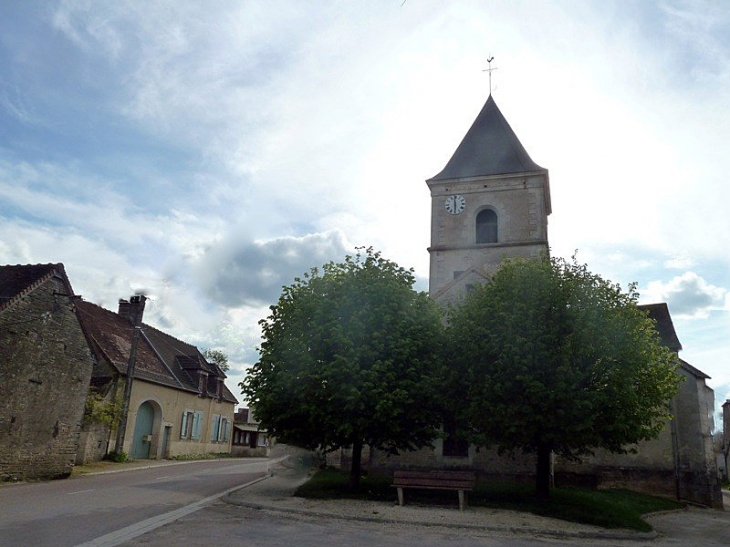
[142,527]
[81,491]
[165,477]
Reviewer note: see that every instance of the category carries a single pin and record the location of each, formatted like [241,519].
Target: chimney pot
[133,309]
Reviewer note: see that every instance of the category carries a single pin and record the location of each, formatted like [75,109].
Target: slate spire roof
[490,147]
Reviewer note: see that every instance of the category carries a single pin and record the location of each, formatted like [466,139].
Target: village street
[202,503]
[266,514]
[80,510]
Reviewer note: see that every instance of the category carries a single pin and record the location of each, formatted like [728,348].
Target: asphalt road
[225,525]
[105,509]
[229,525]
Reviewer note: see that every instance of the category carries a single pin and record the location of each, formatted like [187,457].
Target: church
[492,201]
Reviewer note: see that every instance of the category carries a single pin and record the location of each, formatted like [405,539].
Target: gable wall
[45,366]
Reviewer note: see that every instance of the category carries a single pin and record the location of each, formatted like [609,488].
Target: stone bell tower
[491,201]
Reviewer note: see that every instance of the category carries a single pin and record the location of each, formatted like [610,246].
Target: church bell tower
[490,202]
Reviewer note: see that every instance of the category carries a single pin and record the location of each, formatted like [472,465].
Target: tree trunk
[543,472]
[356,466]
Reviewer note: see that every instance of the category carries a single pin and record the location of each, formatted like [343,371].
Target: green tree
[218,357]
[350,357]
[554,359]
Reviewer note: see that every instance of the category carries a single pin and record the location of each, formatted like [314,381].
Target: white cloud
[210,152]
[688,295]
[236,271]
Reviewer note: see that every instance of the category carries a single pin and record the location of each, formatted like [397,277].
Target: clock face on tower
[455,204]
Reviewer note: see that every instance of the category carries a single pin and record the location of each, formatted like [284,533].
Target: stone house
[178,403]
[45,367]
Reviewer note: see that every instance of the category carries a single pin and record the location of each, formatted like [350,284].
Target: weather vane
[490,69]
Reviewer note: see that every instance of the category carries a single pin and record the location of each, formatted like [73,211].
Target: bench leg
[401,497]
[462,500]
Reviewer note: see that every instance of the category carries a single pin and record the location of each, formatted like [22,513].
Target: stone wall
[488,463]
[679,463]
[93,443]
[45,366]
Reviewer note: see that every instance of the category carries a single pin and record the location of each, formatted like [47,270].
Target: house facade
[178,402]
[45,367]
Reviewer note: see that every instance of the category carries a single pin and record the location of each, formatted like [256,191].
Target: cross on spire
[490,69]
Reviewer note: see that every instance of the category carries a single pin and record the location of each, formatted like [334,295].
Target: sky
[207,153]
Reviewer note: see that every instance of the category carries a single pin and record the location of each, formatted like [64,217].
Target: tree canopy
[350,356]
[218,357]
[553,358]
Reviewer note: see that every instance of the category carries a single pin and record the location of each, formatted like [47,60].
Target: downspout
[675,451]
[119,444]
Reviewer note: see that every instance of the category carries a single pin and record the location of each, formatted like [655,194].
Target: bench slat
[461,481]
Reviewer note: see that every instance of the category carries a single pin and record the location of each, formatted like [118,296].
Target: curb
[272,507]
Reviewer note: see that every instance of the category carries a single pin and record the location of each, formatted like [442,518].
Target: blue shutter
[197,419]
[215,427]
[227,432]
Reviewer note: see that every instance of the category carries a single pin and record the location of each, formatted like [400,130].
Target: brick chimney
[133,309]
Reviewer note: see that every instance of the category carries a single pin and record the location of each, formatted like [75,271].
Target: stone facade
[679,463]
[45,366]
[520,204]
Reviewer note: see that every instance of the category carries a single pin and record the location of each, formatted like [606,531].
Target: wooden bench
[461,481]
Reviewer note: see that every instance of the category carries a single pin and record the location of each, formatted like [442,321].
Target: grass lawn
[605,508]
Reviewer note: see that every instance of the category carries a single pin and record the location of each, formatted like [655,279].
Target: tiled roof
[660,314]
[18,280]
[160,358]
[490,147]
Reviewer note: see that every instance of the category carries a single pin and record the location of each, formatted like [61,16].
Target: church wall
[678,463]
[490,466]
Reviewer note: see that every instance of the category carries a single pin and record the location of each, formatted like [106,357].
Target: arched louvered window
[487,226]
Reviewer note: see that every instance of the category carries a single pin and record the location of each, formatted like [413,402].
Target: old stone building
[178,401]
[490,202]
[45,366]
[681,461]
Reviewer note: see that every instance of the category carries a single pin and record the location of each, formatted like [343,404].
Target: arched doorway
[142,439]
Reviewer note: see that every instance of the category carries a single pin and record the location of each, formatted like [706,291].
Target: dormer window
[486,226]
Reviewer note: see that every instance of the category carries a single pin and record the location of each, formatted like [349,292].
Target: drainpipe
[119,445]
[137,302]
[675,451]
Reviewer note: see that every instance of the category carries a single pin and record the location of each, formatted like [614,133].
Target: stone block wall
[45,367]
[93,443]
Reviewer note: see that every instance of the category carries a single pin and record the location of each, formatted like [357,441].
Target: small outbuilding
[45,367]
